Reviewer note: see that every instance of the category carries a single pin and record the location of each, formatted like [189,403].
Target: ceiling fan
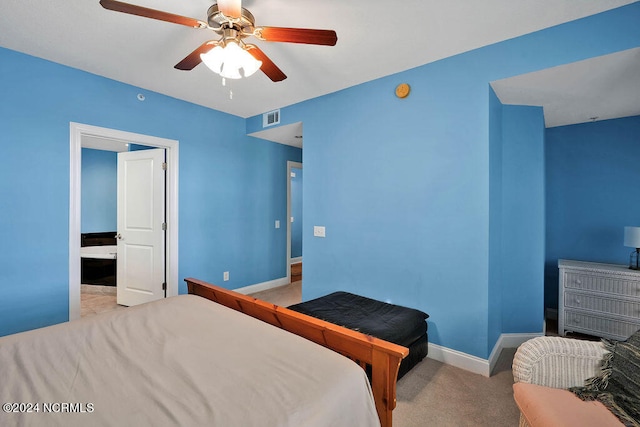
[233,24]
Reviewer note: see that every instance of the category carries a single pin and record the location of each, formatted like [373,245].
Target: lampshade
[231,61]
[632,237]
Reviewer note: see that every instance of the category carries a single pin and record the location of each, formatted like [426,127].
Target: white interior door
[141,215]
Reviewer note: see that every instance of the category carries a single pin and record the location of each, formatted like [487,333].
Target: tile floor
[97,299]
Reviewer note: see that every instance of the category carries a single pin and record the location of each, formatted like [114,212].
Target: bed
[187,361]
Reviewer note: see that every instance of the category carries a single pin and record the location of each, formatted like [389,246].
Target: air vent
[271,118]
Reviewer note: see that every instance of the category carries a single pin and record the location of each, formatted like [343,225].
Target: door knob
[118,236]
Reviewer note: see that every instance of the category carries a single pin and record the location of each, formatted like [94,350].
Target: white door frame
[77,131]
[290,165]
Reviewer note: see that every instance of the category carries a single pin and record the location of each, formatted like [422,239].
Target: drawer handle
[578,282]
[577,301]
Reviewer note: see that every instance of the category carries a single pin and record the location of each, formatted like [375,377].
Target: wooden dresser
[598,299]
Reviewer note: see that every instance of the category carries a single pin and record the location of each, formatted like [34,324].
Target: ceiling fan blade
[297,35]
[268,67]
[132,9]
[230,8]
[193,59]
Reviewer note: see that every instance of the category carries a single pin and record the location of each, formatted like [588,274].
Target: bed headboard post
[383,356]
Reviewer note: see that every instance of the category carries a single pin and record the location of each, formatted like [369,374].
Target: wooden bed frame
[383,356]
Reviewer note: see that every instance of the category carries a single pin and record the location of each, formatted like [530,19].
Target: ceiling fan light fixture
[231,61]
[233,23]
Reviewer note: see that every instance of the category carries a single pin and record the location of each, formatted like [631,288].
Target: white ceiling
[286,134]
[601,88]
[375,38]
[106,144]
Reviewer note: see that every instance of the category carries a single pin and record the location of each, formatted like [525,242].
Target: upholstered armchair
[557,363]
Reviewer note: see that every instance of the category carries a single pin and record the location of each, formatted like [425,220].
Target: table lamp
[632,240]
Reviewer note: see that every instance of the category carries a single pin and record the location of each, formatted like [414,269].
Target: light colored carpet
[282,295]
[435,394]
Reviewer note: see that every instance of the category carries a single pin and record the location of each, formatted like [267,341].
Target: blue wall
[296,213]
[99,191]
[516,220]
[523,219]
[232,187]
[592,175]
[406,200]
[138,147]
[495,218]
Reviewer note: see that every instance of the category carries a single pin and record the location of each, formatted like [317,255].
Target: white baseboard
[459,359]
[446,355]
[264,286]
[508,341]
[476,364]
[296,260]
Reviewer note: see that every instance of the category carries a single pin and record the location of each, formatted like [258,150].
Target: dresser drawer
[590,323]
[600,283]
[603,304]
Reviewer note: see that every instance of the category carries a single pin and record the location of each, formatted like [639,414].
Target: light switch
[291,219]
[277,223]
[318,231]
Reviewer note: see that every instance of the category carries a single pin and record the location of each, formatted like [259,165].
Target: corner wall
[523,219]
[517,219]
[495,219]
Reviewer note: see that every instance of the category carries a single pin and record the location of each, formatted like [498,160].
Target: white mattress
[183,361]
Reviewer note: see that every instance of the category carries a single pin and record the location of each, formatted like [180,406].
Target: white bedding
[183,361]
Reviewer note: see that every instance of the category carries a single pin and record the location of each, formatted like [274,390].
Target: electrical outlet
[225,276]
[319,231]
[277,223]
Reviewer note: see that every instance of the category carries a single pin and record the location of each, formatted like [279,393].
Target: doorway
[99,136]
[98,227]
[294,221]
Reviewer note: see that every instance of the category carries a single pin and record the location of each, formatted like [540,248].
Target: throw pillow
[618,385]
